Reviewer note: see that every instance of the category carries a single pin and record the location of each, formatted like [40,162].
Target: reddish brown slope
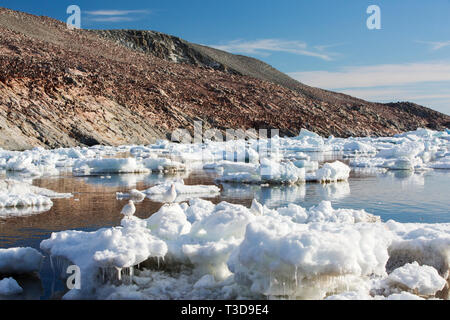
[63,88]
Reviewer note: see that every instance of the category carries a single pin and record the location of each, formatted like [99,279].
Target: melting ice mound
[229,251]
[20,260]
[9,287]
[417,150]
[184,192]
[126,165]
[274,172]
[19,198]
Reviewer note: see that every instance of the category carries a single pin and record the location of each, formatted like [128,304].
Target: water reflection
[23,211]
[278,196]
[131,180]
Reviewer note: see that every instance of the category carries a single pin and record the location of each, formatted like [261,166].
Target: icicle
[296,277]
[119,273]
[131,274]
[51,265]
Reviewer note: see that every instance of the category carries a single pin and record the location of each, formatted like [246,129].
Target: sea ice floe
[260,252]
[23,195]
[331,172]
[427,244]
[309,260]
[414,150]
[125,165]
[109,248]
[20,260]
[273,172]
[184,192]
[9,287]
[420,280]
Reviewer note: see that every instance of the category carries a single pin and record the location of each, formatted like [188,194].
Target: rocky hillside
[177,50]
[64,88]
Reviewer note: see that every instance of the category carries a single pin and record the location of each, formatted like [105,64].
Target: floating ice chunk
[403,163]
[225,222]
[359,147]
[368,162]
[24,201]
[427,244]
[408,149]
[181,188]
[118,247]
[21,187]
[100,166]
[134,194]
[199,209]
[20,194]
[281,172]
[421,280]
[213,238]
[169,222]
[272,254]
[307,164]
[240,177]
[324,212]
[232,167]
[404,296]
[20,260]
[162,165]
[443,163]
[419,133]
[331,172]
[9,287]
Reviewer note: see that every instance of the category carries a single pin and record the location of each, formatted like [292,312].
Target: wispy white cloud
[436,45]
[113,19]
[268,46]
[115,12]
[377,75]
[426,83]
[434,96]
[115,15]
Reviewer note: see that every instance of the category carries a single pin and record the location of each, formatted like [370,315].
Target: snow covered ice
[288,252]
[421,280]
[273,249]
[21,198]
[9,287]
[20,260]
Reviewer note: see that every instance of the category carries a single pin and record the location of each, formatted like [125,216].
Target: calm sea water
[402,196]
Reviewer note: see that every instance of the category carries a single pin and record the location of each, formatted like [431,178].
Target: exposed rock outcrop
[63,88]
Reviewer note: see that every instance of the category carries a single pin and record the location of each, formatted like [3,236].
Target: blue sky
[324,43]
